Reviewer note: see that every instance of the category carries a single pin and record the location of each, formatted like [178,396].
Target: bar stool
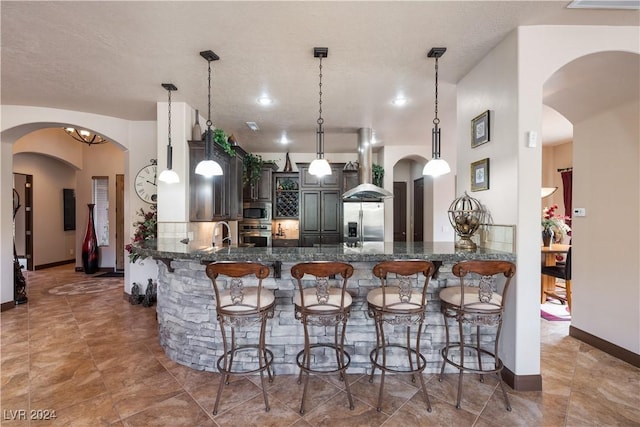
[238,306]
[318,303]
[476,302]
[399,303]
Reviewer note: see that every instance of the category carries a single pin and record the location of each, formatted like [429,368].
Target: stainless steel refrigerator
[363,222]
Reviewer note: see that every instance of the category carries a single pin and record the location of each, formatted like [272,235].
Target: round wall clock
[146,183]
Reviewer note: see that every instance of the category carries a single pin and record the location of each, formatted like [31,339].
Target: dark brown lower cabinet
[320,217]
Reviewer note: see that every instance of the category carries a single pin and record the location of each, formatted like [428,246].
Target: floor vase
[90,258]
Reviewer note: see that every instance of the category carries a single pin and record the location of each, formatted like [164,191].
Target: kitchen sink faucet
[213,238]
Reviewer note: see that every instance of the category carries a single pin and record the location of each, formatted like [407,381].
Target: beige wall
[50,242]
[606,180]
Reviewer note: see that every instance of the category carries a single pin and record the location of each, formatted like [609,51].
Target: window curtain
[567,192]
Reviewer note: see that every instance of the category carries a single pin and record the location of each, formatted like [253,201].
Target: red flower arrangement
[551,221]
[146,229]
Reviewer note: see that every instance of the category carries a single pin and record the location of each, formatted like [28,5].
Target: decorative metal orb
[466,214]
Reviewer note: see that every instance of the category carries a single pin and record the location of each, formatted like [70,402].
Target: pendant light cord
[436,120]
[209,122]
[320,119]
[169,118]
[320,132]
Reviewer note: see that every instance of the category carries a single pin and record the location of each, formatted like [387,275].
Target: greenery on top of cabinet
[252,168]
[220,138]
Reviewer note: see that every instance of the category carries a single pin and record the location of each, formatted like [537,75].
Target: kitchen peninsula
[188,328]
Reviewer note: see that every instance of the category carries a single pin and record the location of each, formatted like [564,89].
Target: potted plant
[252,168]
[377,173]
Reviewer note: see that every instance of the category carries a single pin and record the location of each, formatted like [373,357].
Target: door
[120,222]
[400,211]
[23,184]
[418,210]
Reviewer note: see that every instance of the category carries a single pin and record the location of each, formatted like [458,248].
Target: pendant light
[320,166]
[209,167]
[436,166]
[169,175]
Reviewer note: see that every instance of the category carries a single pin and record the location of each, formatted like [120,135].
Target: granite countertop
[168,249]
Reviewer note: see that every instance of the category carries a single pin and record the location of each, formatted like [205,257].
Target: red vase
[90,259]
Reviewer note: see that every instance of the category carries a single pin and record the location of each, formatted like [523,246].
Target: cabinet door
[235,188]
[330,239]
[201,188]
[310,211]
[335,179]
[209,198]
[308,180]
[308,240]
[350,179]
[264,185]
[331,211]
[261,190]
[221,190]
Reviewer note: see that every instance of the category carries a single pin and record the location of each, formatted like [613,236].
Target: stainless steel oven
[257,232]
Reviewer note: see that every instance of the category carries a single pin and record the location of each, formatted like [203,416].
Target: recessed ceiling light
[253,126]
[265,100]
[399,101]
[283,139]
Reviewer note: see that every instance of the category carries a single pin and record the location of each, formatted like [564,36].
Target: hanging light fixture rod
[209,167]
[320,166]
[169,175]
[436,166]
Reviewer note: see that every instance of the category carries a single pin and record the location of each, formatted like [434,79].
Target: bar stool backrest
[236,303]
[485,274]
[322,270]
[404,295]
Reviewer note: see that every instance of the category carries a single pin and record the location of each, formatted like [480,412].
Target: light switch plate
[579,212]
[533,139]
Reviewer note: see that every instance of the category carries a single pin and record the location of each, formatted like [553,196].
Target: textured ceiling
[111,57]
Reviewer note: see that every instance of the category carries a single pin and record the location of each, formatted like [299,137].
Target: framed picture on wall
[480,129]
[480,175]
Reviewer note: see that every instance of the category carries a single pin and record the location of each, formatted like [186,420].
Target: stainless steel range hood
[366,190]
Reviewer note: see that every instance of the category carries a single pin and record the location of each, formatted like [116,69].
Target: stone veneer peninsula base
[186,310]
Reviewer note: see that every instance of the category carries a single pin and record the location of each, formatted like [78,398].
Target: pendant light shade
[547,191]
[209,167]
[169,175]
[436,166]
[320,166]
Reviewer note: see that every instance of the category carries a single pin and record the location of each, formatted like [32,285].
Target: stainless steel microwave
[256,211]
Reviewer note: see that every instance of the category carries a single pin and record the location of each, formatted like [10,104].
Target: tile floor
[79,349]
